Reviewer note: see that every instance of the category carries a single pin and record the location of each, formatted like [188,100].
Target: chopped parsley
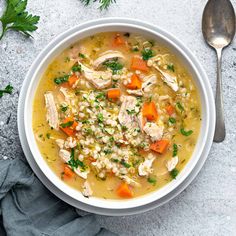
[175,150]
[62,79]
[107,151]
[174,173]
[63,108]
[111,139]
[76,68]
[67,59]
[151,180]
[125,164]
[75,163]
[147,54]
[114,65]
[131,112]
[171,67]
[82,55]
[172,120]
[185,132]
[100,117]
[124,128]
[180,106]
[8,89]
[88,131]
[100,95]
[48,135]
[67,124]
[115,160]
[85,122]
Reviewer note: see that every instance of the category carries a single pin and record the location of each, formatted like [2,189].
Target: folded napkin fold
[28,208]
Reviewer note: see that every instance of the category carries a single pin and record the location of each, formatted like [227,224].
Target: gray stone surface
[208,205]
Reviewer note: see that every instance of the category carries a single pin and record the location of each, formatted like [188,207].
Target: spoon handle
[220,124]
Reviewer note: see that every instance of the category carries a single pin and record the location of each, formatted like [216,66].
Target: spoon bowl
[218,27]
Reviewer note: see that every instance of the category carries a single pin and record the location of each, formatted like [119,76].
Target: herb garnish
[82,55]
[61,79]
[100,95]
[172,120]
[125,164]
[48,135]
[100,117]
[16,18]
[75,163]
[175,150]
[151,180]
[8,89]
[63,108]
[147,54]
[130,112]
[107,151]
[76,68]
[114,65]
[174,173]
[180,106]
[67,124]
[171,67]
[104,4]
[185,132]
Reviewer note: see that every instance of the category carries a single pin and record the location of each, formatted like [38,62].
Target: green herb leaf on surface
[16,18]
[8,89]
[147,54]
[174,173]
[151,180]
[114,65]
[171,67]
[175,150]
[104,4]
[61,79]
[67,124]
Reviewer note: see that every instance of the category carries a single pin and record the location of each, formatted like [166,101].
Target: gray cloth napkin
[28,208]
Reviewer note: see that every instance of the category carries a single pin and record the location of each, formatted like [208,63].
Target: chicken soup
[116,115]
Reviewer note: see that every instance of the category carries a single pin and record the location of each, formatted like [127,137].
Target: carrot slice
[138,63]
[150,111]
[124,191]
[70,131]
[170,110]
[72,80]
[118,41]
[160,146]
[68,172]
[135,83]
[113,93]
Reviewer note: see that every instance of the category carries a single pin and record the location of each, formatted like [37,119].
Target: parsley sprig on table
[15,17]
[8,90]
[104,4]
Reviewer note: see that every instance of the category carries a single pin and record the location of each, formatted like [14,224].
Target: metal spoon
[218,27]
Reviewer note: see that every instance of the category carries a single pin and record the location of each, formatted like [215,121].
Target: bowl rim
[62,38]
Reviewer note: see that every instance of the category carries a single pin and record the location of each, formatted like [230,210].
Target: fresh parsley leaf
[171,67]
[130,112]
[115,160]
[104,4]
[185,132]
[175,150]
[88,131]
[16,18]
[147,54]
[8,89]
[61,79]
[174,173]
[48,135]
[114,65]
[76,68]
[172,120]
[100,95]
[67,124]
[151,180]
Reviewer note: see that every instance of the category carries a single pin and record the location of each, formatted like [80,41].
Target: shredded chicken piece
[126,119]
[130,181]
[52,114]
[83,174]
[60,143]
[153,130]
[100,79]
[145,168]
[87,191]
[171,164]
[148,83]
[65,155]
[108,55]
[137,92]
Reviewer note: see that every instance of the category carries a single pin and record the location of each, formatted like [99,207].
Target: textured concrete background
[208,205]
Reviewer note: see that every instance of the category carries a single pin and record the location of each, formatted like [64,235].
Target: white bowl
[125,25]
